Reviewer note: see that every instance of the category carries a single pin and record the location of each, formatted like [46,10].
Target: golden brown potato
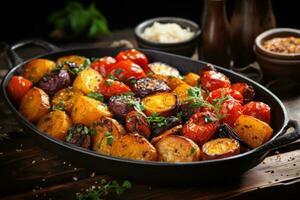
[66,98]
[162,103]
[171,81]
[56,124]
[134,146]
[220,148]
[182,92]
[107,131]
[176,130]
[79,60]
[87,110]
[87,81]
[192,79]
[34,104]
[37,68]
[252,131]
[174,148]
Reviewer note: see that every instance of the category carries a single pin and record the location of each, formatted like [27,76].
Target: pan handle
[14,59]
[283,139]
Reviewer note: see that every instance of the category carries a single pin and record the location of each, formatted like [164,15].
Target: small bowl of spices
[278,52]
[169,34]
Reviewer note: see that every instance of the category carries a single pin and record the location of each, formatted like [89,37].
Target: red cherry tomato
[258,110]
[212,80]
[201,127]
[17,88]
[231,109]
[125,70]
[216,94]
[103,65]
[246,90]
[135,56]
[109,87]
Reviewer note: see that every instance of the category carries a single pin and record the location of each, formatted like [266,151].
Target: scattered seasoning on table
[19,150]
[33,162]
[75,178]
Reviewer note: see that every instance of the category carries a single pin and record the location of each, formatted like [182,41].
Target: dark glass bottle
[249,19]
[215,37]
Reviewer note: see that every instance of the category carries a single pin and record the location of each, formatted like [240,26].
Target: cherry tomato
[201,127]
[231,109]
[135,56]
[216,94]
[246,90]
[136,122]
[258,110]
[212,80]
[103,65]
[18,87]
[109,87]
[125,70]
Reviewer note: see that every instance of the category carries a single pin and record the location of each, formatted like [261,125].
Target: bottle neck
[215,7]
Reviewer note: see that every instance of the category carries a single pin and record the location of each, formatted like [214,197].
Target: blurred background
[30,19]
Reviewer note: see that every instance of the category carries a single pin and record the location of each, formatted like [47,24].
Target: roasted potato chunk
[146,86]
[220,148]
[37,68]
[66,98]
[87,110]
[174,148]
[78,60]
[107,131]
[163,103]
[134,146]
[252,131]
[34,104]
[192,79]
[87,81]
[176,130]
[56,124]
[182,92]
[171,81]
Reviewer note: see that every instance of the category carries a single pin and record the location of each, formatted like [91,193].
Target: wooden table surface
[28,171]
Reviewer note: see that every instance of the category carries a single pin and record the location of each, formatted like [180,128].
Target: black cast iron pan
[158,172]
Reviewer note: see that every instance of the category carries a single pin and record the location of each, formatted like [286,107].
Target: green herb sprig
[96,95]
[159,120]
[103,189]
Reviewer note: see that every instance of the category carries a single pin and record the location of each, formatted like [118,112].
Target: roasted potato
[37,68]
[56,124]
[120,105]
[171,81]
[134,146]
[147,86]
[87,81]
[220,148]
[34,104]
[87,110]
[192,79]
[163,69]
[176,130]
[181,92]
[78,60]
[174,148]
[107,131]
[54,82]
[65,99]
[137,122]
[162,103]
[252,131]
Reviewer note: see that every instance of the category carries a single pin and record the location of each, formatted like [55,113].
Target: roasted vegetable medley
[126,107]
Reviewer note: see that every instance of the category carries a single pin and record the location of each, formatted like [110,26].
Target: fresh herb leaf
[112,77]
[108,82]
[159,120]
[109,138]
[103,189]
[132,81]
[96,95]
[59,106]
[195,92]
[118,71]
[193,151]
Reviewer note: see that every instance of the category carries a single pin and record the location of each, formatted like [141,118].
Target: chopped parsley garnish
[59,106]
[132,81]
[193,151]
[109,137]
[112,77]
[118,71]
[159,120]
[96,95]
[108,82]
[86,63]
